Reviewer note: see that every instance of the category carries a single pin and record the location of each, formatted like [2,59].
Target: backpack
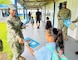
[1,45]
[55,55]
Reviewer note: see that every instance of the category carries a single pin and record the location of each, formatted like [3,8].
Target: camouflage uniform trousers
[17,49]
[63,28]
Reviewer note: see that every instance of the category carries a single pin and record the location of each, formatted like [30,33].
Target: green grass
[3,37]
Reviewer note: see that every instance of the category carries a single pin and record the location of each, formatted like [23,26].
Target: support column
[15,2]
[54,13]
[24,11]
[44,13]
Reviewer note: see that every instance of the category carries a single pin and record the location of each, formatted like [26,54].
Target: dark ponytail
[58,39]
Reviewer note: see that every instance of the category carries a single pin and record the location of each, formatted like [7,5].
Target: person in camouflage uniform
[76,20]
[15,36]
[63,13]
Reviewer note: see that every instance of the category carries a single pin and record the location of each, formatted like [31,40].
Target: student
[48,23]
[32,21]
[44,53]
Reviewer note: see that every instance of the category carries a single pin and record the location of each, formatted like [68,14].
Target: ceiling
[29,4]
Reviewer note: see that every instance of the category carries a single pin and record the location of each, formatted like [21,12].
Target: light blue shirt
[44,53]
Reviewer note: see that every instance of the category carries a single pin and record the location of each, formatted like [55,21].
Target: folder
[69,24]
[32,43]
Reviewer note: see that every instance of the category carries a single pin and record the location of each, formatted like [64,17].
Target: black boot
[76,52]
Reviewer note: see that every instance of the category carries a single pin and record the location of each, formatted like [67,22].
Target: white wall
[0,14]
[44,13]
[50,10]
[47,10]
[73,6]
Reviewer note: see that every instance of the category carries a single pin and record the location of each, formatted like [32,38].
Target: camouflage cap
[12,6]
[64,3]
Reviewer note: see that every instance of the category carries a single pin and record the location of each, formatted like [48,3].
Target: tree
[5,1]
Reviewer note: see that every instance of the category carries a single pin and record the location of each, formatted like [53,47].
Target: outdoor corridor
[39,35]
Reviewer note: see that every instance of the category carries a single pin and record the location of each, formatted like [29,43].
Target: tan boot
[65,38]
[21,58]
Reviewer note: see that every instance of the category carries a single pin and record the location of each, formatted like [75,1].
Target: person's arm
[69,16]
[12,29]
[21,24]
[24,27]
[31,50]
[58,15]
[76,20]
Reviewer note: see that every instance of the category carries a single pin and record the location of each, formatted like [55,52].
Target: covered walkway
[48,8]
[71,45]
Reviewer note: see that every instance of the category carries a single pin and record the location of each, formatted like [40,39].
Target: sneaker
[76,52]
[38,27]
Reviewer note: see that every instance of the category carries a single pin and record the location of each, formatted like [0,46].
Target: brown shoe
[21,58]
[65,38]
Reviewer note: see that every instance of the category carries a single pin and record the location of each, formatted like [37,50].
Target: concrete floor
[71,46]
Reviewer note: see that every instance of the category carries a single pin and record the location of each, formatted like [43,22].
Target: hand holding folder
[32,43]
[69,24]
